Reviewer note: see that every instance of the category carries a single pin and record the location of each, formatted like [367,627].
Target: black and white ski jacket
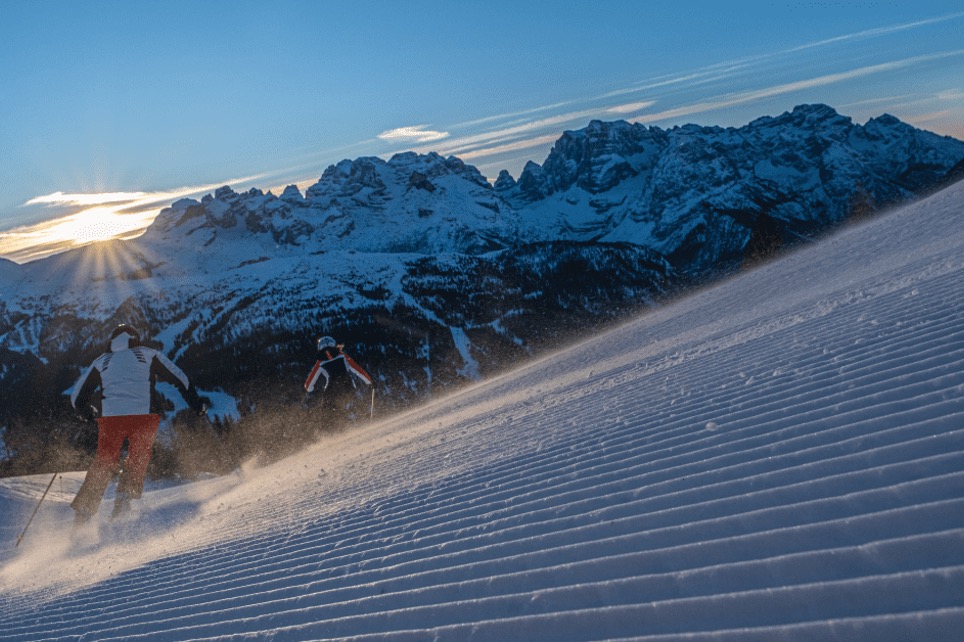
[126,377]
[338,371]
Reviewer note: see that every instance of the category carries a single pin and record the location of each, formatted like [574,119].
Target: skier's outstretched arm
[312,379]
[358,370]
[84,388]
[165,370]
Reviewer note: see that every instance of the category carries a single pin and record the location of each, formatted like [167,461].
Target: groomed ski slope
[780,457]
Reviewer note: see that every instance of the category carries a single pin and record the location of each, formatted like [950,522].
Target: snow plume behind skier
[335,373]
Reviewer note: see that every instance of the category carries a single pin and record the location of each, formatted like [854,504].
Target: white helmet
[326,342]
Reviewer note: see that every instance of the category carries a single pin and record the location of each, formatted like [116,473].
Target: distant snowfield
[778,457]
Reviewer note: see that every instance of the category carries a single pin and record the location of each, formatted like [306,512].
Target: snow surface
[754,462]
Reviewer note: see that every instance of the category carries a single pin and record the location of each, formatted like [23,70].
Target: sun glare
[93,217]
[96,224]
[90,225]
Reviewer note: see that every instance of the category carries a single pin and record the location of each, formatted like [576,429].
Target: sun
[92,217]
[95,224]
[83,227]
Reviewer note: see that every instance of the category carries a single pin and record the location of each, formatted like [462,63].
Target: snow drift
[778,457]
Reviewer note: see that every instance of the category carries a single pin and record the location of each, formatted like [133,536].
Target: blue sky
[111,110]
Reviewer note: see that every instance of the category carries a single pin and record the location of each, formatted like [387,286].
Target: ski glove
[87,413]
[198,403]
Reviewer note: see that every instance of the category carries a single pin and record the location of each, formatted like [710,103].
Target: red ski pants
[139,431]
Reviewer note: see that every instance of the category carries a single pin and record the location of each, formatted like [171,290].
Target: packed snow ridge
[754,462]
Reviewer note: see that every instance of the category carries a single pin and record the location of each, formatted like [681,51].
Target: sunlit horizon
[93,217]
[92,225]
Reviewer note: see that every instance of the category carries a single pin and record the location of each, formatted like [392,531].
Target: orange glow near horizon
[90,225]
[87,218]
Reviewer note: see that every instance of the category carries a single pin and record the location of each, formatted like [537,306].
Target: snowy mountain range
[754,462]
[432,275]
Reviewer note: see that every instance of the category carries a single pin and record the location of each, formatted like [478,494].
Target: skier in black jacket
[125,376]
[339,372]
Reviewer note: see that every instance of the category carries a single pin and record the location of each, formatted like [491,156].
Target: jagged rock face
[409,204]
[688,186]
[433,275]
[602,155]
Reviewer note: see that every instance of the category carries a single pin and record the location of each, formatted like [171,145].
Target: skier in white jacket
[125,377]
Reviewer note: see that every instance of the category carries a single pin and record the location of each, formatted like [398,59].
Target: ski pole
[36,508]
[371,414]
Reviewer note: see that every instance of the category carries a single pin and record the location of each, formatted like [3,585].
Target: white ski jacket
[126,377]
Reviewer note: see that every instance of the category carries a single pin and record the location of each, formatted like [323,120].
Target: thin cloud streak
[511,147]
[786,88]
[468,144]
[880,31]
[727,70]
[102,198]
[721,71]
[512,115]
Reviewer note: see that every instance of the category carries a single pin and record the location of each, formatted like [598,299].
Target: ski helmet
[125,329]
[326,342]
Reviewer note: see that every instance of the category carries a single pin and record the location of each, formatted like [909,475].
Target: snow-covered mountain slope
[409,204]
[777,457]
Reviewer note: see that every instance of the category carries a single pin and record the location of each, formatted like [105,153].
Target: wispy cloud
[953,95]
[86,200]
[630,108]
[880,31]
[727,69]
[527,143]
[414,133]
[513,115]
[496,140]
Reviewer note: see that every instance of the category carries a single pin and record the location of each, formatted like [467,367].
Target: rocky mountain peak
[806,119]
[292,194]
[504,182]
[601,156]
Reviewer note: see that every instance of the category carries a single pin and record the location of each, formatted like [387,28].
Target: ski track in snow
[777,457]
